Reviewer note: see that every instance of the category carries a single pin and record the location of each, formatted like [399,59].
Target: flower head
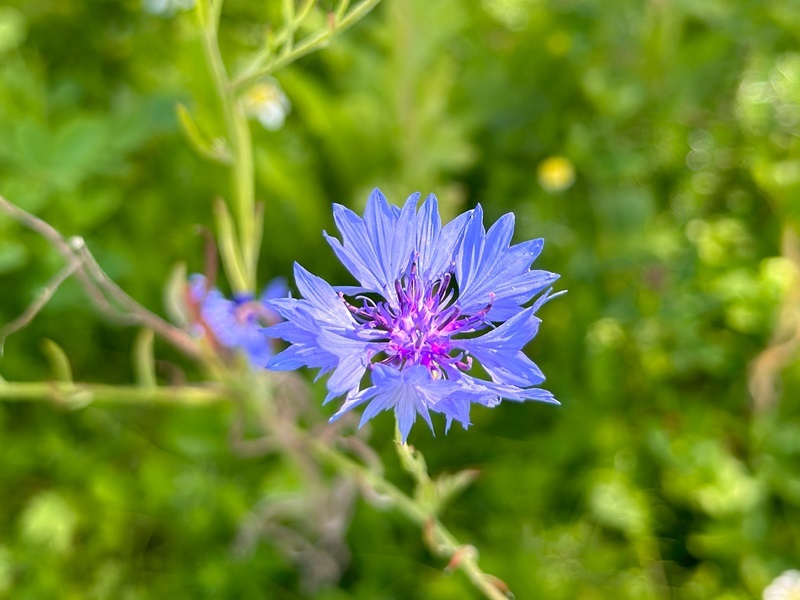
[432,301]
[784,587]
[266,102]
[235,324]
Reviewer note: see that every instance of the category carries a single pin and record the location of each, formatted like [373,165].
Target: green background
[659,476]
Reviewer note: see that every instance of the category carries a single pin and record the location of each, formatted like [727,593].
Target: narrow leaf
[216,151]
[59,362]
[143,359]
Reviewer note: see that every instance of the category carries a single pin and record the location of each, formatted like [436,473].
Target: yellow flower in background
[266,102]
[556,174]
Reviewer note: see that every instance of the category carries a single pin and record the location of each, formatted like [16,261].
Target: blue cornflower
[235,324]
[432,300]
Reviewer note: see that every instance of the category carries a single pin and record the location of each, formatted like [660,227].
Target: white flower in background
[166,8]
[266,102]
[785,586]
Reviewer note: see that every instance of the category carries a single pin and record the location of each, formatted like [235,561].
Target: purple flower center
[419,329]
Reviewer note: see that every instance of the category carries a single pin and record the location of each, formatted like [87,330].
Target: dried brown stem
[766,367]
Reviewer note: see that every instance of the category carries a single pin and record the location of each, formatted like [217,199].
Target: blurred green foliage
[657,478]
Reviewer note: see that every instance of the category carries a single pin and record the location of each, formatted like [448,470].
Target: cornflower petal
[486,393]
[486,264]
[355,250]
[375,248]
[302,331]
[409,392]
[353,360]
[391,235]
[277,288]
[437,245]
[318,292]
[499,350]
[429,226]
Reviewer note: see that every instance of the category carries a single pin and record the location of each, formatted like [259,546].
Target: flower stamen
[418,329]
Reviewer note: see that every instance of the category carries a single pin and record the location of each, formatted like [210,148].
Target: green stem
[80,394]
[448,545]
[241,259]
[289,17]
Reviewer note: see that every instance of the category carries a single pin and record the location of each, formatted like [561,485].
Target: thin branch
[38,304]
[280,39]
[310,44]
[99,286]
[51,235]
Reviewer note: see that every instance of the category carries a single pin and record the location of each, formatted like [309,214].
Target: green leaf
[59,361]
[143,358]
[13,28]
[79,148]
[215,150]
[32,141]
[175,295]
